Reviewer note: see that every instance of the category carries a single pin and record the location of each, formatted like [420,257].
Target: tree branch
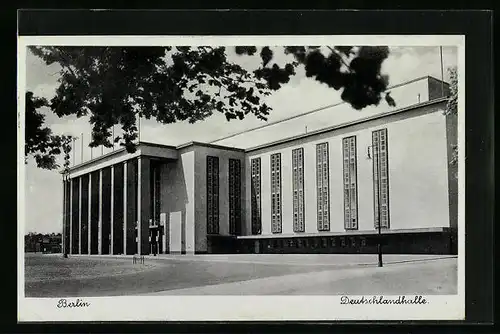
[68,66]
[341,58]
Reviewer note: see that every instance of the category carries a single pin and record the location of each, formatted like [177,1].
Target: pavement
[288,259]
[435,276]
[254,274]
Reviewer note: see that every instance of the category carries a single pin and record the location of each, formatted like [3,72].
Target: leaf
[111,85]
[245,50]
[266,54]
[390,101]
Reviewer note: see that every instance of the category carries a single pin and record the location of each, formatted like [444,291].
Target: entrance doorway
[155,239]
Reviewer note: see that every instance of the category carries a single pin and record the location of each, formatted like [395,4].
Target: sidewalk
[425,277]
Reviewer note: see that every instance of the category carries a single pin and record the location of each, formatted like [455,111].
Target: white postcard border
[240,308]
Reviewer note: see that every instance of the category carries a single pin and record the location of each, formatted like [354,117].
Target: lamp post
[65,219]
[379,225]
[380,262]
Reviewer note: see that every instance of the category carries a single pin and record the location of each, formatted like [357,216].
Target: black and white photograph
[319,172]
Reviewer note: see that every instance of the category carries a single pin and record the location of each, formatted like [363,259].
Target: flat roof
[425,77]
[116,152]
[197,143]
[122,150]
[347,124]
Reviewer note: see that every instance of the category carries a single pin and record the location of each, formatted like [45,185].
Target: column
[106,211]
[163,222]
[99,229]
[89,222]
[139,184]
[118,212]
[111,250]
[80,215]
[75,219]
[143,200]
[125,208]
[64,220]
[84,213]
[70,216]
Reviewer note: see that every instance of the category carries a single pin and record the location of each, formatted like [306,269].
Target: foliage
[115,85]
[452,105]
[452,108]
[40,142]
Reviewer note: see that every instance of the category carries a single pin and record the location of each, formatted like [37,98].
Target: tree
[114,85]
[452,107]
[40,143]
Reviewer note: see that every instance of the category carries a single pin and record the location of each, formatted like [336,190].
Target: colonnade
[107,210]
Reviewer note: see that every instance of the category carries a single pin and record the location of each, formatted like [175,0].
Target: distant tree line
[43,243]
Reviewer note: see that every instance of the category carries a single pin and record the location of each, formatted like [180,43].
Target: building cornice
[348,124]
[220,147]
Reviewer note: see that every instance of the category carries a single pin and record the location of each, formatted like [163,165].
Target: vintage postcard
[185,178]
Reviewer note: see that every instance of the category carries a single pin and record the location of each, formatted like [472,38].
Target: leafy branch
[114,85]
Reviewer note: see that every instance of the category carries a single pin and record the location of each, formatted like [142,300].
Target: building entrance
[156,233]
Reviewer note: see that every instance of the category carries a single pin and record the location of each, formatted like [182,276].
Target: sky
[44,188]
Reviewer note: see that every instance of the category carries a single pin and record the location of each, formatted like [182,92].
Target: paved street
[423,277]
[239,274]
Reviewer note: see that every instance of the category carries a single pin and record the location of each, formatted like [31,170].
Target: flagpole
[91,150]
[442,71]
[81,149]
[73,148]
[113,136]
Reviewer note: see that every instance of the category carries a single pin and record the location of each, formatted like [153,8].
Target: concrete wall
[418,173]
[201,153]
[178,198]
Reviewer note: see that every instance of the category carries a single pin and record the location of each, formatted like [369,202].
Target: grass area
[43,268]
[167,274]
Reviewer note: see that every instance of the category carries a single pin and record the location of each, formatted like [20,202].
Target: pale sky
[301,94]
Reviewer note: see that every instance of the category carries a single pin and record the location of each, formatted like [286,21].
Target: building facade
[325,191]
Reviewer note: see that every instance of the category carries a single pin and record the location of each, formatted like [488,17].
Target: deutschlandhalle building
[324,191]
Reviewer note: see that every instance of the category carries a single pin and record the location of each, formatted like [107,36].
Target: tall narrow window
[298,189]
[276,193]
[235,196]
[350,184]
[256,201]
[380,178]
[155,200]
[322,186]
[212,195]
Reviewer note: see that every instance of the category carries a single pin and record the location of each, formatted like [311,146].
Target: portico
[112,202]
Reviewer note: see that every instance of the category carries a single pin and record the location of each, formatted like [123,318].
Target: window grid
[350,183]
[212,195]
[380,178]
[234,196]
[276,225]
[298,189]
[322,187]
[256,199]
